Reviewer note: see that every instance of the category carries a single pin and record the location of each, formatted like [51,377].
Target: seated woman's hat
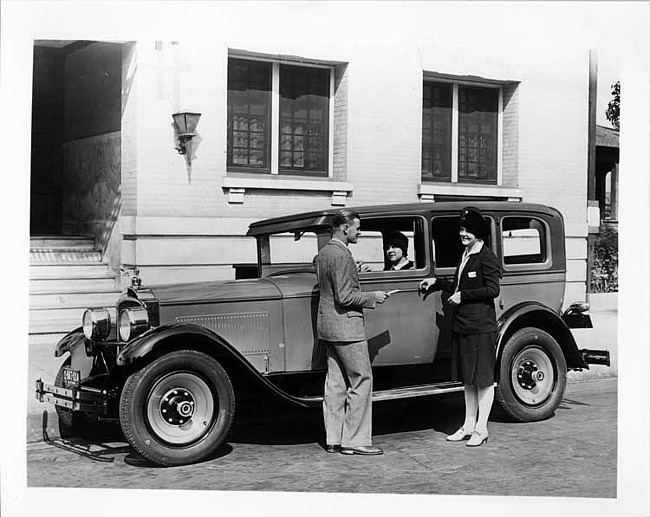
[472,220]
[398,239]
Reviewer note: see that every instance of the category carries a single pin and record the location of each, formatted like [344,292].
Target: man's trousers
[347,403]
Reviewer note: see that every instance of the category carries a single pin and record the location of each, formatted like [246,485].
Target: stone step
[73,300]
[72,285]
[58,320]
[54,242]
[63,255]
[68,271]
[46,340]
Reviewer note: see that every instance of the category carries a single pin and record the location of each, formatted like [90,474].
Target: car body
[172,366]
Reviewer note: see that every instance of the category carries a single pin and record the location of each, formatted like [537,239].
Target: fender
[533,314]
[69,341]
[154,338]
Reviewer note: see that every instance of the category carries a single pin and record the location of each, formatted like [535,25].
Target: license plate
[71,378]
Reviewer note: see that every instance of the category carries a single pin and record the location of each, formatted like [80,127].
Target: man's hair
[344,216]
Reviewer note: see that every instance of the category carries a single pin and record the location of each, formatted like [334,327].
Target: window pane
[523,240]
[249,113]
[304,119]
[372,247]
[477,134]
[447,247]
[436,131]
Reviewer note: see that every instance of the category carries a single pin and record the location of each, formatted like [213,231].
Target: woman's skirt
[472,359]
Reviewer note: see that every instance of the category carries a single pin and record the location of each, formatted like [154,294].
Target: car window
[447,247]
[523,240]
[292,248]
[371,249]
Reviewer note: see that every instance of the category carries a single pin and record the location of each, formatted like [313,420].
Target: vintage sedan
[179,356]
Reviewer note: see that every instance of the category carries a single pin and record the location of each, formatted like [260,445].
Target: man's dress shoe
[332,448]
[365,450]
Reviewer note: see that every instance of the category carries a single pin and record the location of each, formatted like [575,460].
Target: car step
[403,393]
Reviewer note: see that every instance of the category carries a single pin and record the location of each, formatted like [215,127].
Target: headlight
[96,323]
[133,321]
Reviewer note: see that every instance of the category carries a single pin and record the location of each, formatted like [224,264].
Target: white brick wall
[377,124]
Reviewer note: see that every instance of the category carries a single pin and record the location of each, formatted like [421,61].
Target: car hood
[284,286]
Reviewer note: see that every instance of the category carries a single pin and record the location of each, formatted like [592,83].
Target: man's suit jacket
[479,286]
[340,309]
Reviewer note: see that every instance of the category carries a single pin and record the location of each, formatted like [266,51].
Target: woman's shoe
[477,439]
[459,435]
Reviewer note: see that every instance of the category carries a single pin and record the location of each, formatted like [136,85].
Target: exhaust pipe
[595,356]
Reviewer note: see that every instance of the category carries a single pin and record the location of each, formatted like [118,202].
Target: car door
[402,330]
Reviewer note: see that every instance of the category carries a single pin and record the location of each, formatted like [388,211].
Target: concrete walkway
[604,315]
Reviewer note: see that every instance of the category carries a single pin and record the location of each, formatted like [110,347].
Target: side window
[390,243]
[447,247]
[524,240]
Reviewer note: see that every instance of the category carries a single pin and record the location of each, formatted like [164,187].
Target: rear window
[524,240]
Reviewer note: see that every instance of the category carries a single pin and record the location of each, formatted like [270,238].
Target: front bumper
[86,399]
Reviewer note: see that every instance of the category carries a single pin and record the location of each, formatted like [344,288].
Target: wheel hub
[529,375]
[177,406]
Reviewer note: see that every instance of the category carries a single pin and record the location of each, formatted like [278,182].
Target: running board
[402,393]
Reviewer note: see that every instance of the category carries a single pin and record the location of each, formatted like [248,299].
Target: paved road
[572,454]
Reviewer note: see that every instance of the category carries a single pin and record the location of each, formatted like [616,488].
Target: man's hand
[427,283]
[380,296]
[362,267]
[454,299]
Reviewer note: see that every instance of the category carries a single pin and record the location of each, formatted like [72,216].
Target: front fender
[532,314]
[156,338]
[69,341]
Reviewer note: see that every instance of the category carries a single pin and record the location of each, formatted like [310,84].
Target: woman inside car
[471,295]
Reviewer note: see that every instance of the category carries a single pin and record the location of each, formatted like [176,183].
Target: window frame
[534,266]
[365,276]
[275,169]
[449,271]
[455,128]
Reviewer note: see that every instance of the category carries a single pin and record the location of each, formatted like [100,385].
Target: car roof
[322,218]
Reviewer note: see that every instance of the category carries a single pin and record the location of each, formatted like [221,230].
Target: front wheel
[532,377]
[178,409]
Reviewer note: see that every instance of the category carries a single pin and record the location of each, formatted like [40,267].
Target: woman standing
[471,295]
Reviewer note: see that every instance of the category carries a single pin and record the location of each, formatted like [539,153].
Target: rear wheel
[532,375]
[178,409]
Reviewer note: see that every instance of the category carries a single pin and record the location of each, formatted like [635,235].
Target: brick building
[292,124]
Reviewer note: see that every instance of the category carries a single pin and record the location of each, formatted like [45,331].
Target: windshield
[290,251]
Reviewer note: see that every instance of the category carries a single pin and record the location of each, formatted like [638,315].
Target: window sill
[428,191]
[236,186]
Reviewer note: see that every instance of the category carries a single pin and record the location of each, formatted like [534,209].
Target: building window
[298,97]
[304,117]
[460,133]
[249,114]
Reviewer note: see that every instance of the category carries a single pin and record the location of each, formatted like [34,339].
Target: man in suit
[347,403]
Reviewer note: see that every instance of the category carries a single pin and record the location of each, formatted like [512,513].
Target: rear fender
[164,339]
[531,314]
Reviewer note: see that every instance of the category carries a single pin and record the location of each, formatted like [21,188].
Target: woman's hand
[427,283]
[454,299]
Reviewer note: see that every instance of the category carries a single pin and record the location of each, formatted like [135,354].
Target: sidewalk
[42,363]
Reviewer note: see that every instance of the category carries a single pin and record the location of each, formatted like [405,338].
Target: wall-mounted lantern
[185,125]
